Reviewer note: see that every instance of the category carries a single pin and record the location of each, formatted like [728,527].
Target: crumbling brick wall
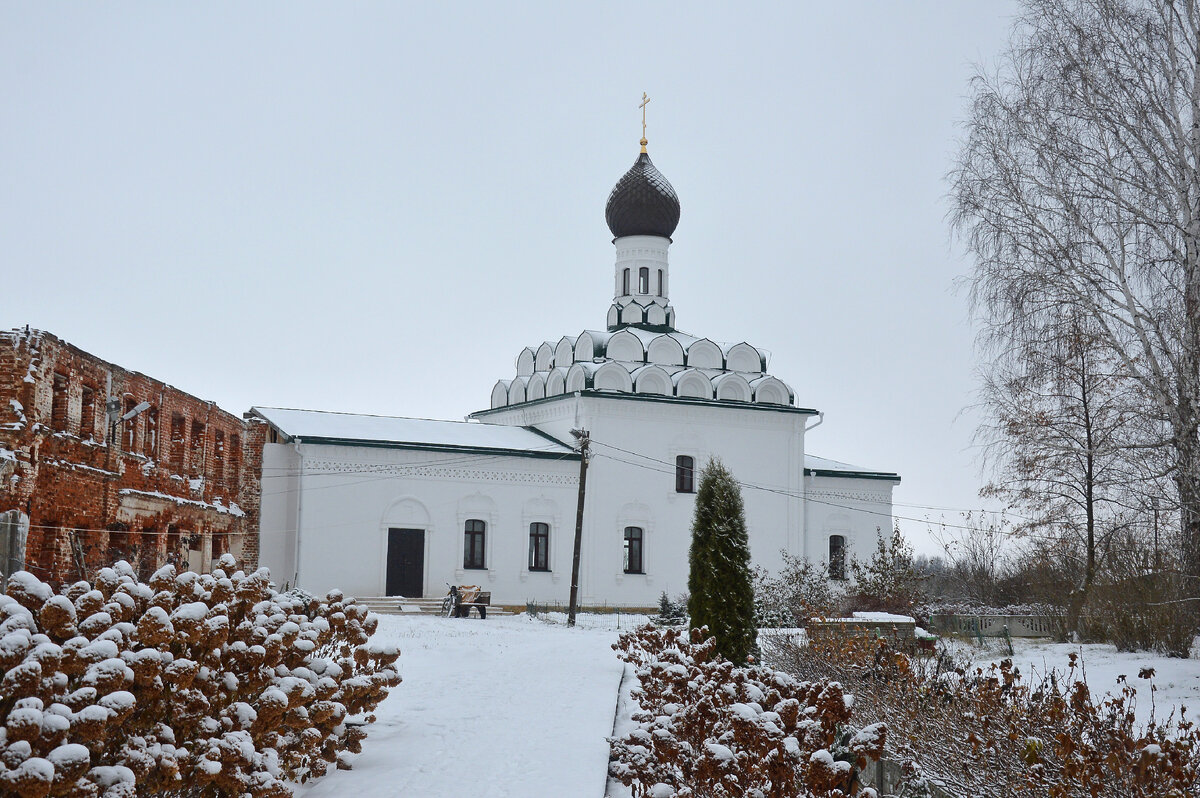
[96,491]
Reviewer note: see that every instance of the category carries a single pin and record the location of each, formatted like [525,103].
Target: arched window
[837,557]
[539,547]
[625,283]
[660,283]
[473,540]
[643,280]
[633,550]
[685,474]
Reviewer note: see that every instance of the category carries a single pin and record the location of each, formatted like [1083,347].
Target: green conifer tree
[720,585]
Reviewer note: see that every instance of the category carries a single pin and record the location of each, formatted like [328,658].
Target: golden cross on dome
[645,100]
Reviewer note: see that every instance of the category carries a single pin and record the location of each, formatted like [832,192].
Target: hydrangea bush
[709,728]
[185,685]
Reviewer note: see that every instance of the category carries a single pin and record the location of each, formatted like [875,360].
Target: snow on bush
[709,728]
[988,733]
[184,685]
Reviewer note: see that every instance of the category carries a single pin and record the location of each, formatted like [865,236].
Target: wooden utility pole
[582,435]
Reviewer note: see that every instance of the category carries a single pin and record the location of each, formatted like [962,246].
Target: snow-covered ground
[505,707]
[523,706]
[1177,681]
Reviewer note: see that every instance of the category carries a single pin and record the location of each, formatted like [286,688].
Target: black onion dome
[642,203]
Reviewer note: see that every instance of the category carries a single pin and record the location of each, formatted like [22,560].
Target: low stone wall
[900,633]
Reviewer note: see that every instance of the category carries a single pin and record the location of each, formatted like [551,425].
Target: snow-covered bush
[671,612]
[710,728]
[799,592]
[184,685]
[888,581]
[987,733]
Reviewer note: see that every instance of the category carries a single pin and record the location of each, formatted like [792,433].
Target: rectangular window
[685,474]
[130,437]
[197,457]
[178,442]
[539,547]
[58,403]
[837,557]
[218,455]
[660,283]
[473,540]
[643,280]
[150,433]
[625,283]
[633,550]
[87,413]
[235,461]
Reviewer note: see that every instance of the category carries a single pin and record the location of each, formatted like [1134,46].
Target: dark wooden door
[406,563]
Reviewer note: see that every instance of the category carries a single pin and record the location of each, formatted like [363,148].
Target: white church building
[397,506]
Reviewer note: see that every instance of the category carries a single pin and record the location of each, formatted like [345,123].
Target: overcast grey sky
[372,207]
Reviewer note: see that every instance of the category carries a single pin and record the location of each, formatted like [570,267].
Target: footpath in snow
[504,707]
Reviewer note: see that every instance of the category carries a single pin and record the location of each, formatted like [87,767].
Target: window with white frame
[634,537]
[474,537]
[539,546]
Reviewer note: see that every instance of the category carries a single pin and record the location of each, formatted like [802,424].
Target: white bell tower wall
[642,280]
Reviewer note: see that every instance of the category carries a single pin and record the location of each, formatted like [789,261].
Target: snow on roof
[822,464]
[319,424]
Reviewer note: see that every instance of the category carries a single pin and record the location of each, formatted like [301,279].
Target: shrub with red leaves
[185,685]
[709,728]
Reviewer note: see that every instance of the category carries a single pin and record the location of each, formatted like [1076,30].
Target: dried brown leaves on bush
[989,734]
[185,685]
[708,728]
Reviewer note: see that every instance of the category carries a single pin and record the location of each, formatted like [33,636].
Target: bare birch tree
[1067,445]
[1077,191]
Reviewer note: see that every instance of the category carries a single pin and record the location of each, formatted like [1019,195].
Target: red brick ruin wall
[178,483]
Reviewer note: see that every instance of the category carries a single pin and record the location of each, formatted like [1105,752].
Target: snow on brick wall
[136,494]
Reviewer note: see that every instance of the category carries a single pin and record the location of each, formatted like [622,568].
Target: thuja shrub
[709,728]
[185,685]
[988,733]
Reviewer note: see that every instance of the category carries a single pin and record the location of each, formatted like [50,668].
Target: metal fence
[995,625]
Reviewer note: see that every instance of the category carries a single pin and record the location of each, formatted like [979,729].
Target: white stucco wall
[858,509]
[349,496]
[329,526]
[277,519]
[761,448]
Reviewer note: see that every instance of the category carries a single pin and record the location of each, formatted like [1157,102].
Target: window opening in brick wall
[130,425]
[87,413]
[539,547]
[176,546]
[178,442]
[58,403]
[643,280]
[837,557]
[660,282]
[235,461]
[197,456]
[148,561]
[685,474]
[220,545]
[150,433]
[218,455]
[633,550]
[625,283]
[473,539]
